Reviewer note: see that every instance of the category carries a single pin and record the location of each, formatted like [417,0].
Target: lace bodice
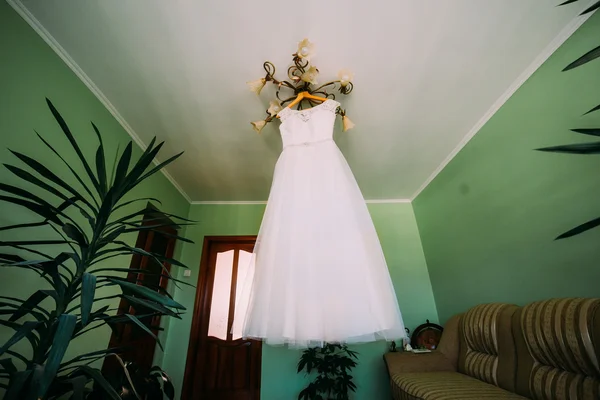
[305,127]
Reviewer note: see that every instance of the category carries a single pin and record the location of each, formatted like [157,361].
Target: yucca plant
[89,220]
[581,148]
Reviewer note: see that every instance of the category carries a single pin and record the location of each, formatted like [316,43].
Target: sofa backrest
[487,350]
[559,349]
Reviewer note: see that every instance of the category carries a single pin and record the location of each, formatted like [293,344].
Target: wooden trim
[197,329]
[234,273]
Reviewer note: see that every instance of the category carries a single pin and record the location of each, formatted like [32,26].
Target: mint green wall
[488,220]
[29,72]
[399,237]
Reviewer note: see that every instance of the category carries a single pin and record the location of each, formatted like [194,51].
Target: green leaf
[96,316]
[173,236]
[25,330]
[151,305]
[47,212]
[351,353]
[20,226]
[96,375]
[567,2]
[584,59]
[77,177]
[26,176]
[591,132]
[31,268]
[51,268]
[157,168]
[75,233]
[142,163]
[145,328]
[8,366]
[62,338]
[100,163]
[111,180]
[147,293]
[156,257]
[580,229]
[125,204]
[144,212]
[51,176]
[35,383]
[593,109]
[17,384]
[92,354]
[19,356]
[30,336]
[31,243]
[74,144]
[123,165]
[137,227]
[134,270]
[588,10]
[88,290]
[580,148]
[29,304]
[10,258]
[111,237]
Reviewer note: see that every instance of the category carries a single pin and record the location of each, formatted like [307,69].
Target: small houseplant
[89,213]
[333,364]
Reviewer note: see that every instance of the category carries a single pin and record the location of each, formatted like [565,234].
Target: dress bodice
[311,126]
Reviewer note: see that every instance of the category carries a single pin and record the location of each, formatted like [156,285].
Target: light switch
[187,273]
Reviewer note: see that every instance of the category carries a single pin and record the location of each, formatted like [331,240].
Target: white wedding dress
[318,274]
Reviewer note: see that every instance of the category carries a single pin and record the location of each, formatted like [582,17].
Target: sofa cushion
[445,386]
[486,347]
[563,339]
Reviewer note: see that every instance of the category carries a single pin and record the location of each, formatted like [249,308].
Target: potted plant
[89,220]
[135,383]
[333,364]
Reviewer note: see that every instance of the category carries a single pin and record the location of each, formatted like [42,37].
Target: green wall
[399,237]
[29,72]
[488,220]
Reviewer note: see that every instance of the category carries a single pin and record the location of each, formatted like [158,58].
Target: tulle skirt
[318,273]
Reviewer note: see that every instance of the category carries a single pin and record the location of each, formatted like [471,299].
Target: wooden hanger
[303,96]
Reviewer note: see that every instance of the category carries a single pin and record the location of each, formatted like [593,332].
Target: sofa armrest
[403,362]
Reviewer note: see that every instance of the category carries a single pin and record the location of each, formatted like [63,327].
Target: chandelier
[302,78]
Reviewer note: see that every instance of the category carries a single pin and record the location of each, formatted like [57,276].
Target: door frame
[140,262]
[201,303]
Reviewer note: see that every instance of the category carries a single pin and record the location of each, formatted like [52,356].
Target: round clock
[426,336]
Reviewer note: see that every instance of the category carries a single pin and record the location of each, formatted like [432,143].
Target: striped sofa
[547,350]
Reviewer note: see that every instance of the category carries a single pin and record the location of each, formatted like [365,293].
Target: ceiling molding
[22,10]
[530,70]
[388,201]
[231,203]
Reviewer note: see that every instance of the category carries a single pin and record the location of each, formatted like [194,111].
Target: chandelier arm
[327,84]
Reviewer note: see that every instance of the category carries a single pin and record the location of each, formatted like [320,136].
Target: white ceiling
[429,73]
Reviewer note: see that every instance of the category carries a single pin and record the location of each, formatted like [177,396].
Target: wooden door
[220,364]
[138,345]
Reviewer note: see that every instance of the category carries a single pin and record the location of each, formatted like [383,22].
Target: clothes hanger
[305,95]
